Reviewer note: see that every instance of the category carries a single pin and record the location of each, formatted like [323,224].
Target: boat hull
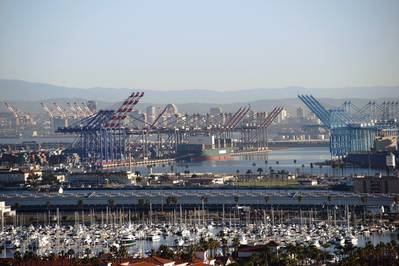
[195,153]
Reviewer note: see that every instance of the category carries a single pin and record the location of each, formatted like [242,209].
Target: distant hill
[17,90]
[27,96]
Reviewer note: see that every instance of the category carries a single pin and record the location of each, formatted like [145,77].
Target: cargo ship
[384,153]
[203,148]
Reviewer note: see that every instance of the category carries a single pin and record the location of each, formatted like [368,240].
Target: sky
[207,44]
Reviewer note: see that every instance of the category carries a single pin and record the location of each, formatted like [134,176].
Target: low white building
[5,211]
[17,176]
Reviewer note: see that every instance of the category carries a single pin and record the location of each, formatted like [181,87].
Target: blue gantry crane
[353,129]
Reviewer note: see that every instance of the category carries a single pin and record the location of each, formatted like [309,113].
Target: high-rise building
[151,114]
[299,113]
[282,116]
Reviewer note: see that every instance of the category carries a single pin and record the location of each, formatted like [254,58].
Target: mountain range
[17,90]
[28,95]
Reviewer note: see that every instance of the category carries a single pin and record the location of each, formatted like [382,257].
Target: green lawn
[266,183]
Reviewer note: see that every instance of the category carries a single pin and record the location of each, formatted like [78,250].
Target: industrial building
[376,184]
[100,178]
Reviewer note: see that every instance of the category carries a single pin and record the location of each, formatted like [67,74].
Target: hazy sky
[222,45]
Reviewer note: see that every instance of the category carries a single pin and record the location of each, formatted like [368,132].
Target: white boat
[127,241]
[243,239]
[154,237]
[179,242]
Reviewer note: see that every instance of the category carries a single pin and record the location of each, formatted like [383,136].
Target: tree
[18,256]
[260,170]
[122,252]
[141,202]
[33,180]
[329,199]
[171,200]
[48,205]
[49,179]
[364,200]
[87,252]
[111,203]
[204,199]
[249,172]
[16,206]
[224,245]
[80,204]
[189,254]
[71,253]
[236,199]
[165,252]
[267,198]
[236,243]
[299,198]
[213,245]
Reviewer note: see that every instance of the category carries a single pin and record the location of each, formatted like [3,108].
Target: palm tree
[296,169]
[122,252]
[249,172]
[213,245]
[364,200]
[224,245]
[329,199]
[236,244]
[299,198]
[70,253]
[48,205]
[80,204]
[87,252]
[171,200]
[260,170]
[204,199]
[236,199]
[140,203]
[111,203]
[16,206]
[18,256]
[267,198]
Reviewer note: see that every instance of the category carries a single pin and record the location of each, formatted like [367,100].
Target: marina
[141,239]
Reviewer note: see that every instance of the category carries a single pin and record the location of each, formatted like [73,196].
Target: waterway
[295,160]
